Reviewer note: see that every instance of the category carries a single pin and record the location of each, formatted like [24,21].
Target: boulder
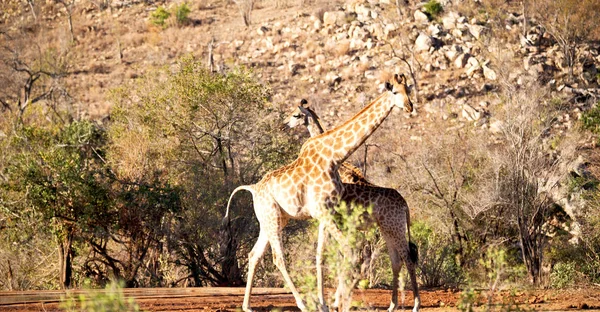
[434,30]
[423,43]
[476,30]
[489,73]
[469,113]
[461,60]
[318,24]
[449,20]
[421,17]
[334,18]
[363,13]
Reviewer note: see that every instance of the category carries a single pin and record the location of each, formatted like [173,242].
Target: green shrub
[590,120]
[181,14]
[111,299]
[437,264]
[468,300]
[342,261]
[563,275]
[433,9]
[159,16]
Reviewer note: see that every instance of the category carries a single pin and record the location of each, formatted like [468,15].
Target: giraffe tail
[248,188]
[413,250]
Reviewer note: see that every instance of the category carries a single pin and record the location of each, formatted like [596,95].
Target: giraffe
[390,210]
[310,186]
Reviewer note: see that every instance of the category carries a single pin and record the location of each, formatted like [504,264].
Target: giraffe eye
[298,116]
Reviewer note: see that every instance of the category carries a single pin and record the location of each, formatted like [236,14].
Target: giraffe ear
[388,86]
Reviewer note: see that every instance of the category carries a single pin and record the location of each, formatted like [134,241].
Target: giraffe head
[400,92]
[302,115]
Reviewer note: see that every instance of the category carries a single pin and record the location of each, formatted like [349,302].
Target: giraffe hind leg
[396,266]
[411,267]
[253,258]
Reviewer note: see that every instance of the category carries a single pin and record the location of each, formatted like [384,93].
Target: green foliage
[496,264]
[468,300]
[585,183]
[203,133]
[344,258]
[590,120]
[111,299]
[159,16]
[433,9]
[182,12]
[58,172]
[437,264]
[563,275]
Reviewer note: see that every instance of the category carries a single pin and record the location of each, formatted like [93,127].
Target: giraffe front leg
[277,249]
[338,292]
[322,238]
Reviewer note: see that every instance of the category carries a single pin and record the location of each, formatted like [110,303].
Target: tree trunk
[65,259]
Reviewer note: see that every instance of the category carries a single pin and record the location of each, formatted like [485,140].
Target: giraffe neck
[314,127]
[347,137]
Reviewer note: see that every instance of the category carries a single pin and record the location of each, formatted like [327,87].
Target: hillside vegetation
[125,125]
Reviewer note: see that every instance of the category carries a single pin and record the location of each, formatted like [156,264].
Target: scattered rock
[470,114]
[449,20]
[421,17]
[334,18]
[423,43]
[461,60]
[489,73]
[476,30]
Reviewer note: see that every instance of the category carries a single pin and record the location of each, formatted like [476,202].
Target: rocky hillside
[334,53]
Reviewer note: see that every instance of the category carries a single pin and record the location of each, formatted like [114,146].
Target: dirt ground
[268,299]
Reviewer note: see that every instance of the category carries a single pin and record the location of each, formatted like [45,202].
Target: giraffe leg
[396,266]
[253,258]
[321,239]
[328,226]
[278,259]
[411,267]
[338,292]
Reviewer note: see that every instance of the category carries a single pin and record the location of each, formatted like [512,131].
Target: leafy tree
[204,133]
[56,170]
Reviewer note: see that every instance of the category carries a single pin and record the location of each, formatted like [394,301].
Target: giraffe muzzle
[408,107]
[284,127]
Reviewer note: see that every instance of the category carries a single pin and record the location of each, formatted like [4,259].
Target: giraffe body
[310,186]
[390,210]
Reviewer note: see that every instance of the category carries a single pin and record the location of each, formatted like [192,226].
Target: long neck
[314,127]
[347,137]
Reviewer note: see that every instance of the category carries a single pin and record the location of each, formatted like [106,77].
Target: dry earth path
[267,299]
